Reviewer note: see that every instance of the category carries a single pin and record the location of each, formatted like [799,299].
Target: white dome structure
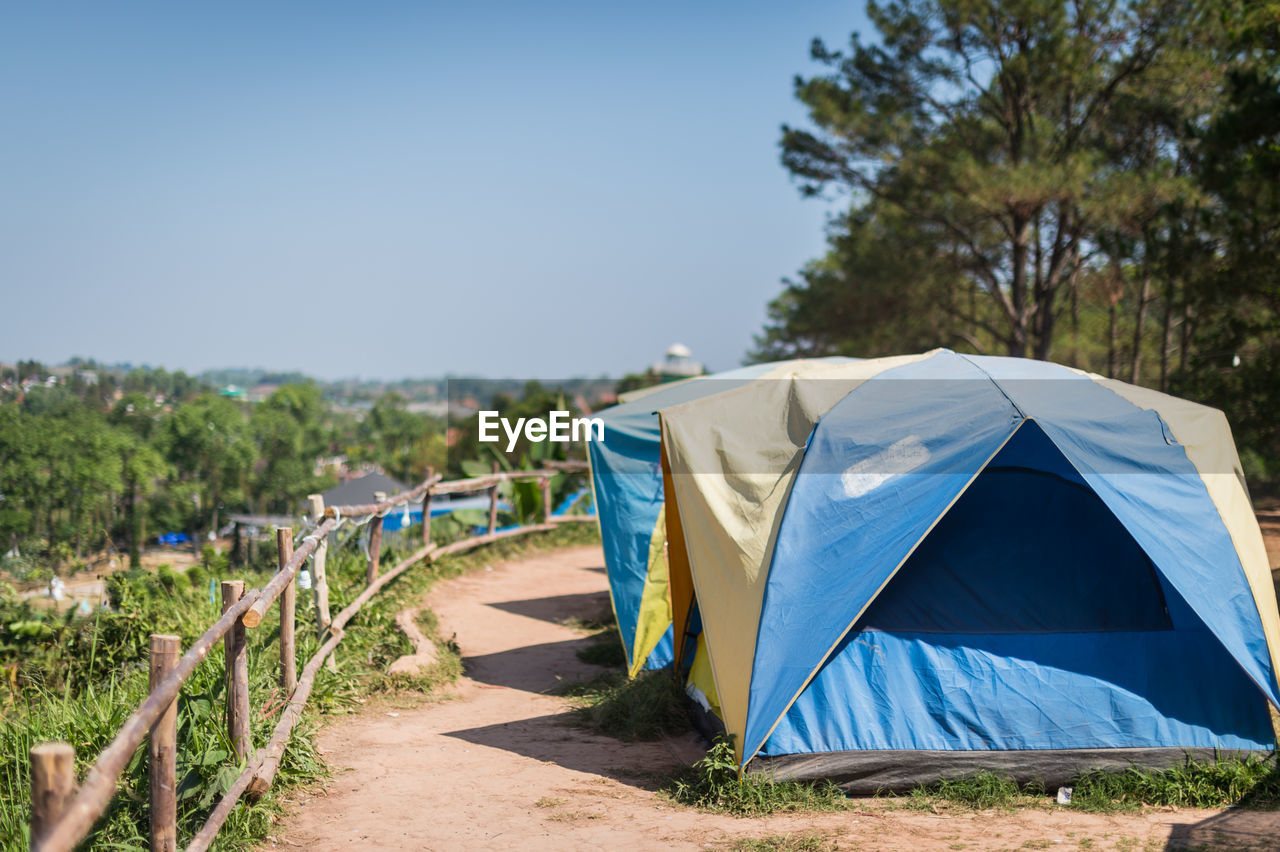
[678,362]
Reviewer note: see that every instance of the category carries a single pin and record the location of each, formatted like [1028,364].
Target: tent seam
[883,585]
[1275,675]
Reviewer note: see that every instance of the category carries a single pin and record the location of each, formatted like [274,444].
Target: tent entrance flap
[1029,618]
[1026,549]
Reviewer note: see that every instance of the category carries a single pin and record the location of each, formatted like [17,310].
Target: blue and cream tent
[627,480]
[919,566]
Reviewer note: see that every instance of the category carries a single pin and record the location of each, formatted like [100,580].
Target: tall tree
[405,444]
[289,429]
[1003,133]
[208,443]
[138,418]
[23,476]
[879,290]
[1234,357]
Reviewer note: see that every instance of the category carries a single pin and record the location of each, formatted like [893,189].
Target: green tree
[289,430]
[139,419]
[1234,294]
[877,291]
[60,474]
[207,442]
[173,387]
[142,470]
[997,140]
[536,400]
[23,476]
[637,381]
[403,443]
[87,465]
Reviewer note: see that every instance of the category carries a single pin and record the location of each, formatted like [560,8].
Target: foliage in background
[535,401]
[82,473]
[403,443]
[525,497]
[1232,258]
[1089,182]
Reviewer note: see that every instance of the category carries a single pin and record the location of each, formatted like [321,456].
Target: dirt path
[499,764]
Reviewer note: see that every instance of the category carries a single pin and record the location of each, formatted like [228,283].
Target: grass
[1251,783]
[77,679]
[572,816]
[605,649]
[652,706]
[981,791]
[802,842]
[649,707]
[712,785]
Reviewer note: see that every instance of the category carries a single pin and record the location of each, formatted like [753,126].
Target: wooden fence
[62,814]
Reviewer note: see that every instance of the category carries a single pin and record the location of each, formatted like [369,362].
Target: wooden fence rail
[63,815]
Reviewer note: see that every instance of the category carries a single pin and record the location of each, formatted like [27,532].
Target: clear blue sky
[381,189]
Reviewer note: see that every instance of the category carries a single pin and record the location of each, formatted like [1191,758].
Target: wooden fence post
[375,540]
[319,581]
[237,662]
[162,749]
[493,504]
[288,601]
[426,509]
[53,785]
[546,499]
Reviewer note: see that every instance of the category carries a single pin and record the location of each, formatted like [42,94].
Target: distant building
[260,392]
[359,491]
[433,408]
[678,363]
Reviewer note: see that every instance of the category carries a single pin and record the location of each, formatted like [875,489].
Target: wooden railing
[62,814]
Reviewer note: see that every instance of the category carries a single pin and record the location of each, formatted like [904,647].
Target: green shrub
[605,650]
[1252,782]
[167,577]
[647,708]
[197,577]
[215,562]
[980,791]
[712,784]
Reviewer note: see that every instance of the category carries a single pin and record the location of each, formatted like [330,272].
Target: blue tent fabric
[627,478]
[927,447]
[1040,691]
[396,519]
[1029,646]
[996,553]
[628,489]
[1130,460]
